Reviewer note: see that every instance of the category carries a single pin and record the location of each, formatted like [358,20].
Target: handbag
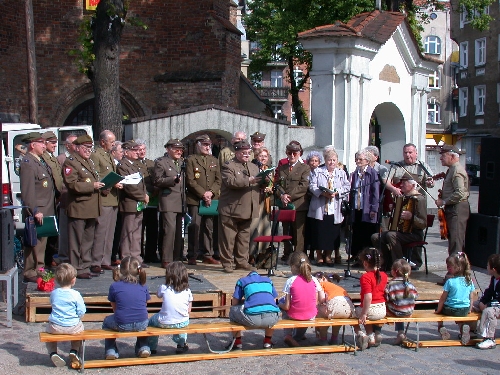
[29,235]
[289,206]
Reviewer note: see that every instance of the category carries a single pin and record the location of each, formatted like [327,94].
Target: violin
[443,227]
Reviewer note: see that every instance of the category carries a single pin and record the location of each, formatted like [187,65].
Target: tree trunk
[294,92]
[105,73]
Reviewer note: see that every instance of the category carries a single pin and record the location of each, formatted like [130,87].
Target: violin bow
[420,186]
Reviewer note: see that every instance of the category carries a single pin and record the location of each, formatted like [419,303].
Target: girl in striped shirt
[400,295]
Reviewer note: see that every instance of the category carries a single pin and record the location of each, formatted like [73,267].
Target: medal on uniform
[45,184]
[196,173]
[87,180]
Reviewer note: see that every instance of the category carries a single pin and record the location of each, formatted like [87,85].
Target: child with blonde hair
[177,302]
[302,295]
[128,296]
[338,305]
[372,298]
[458,295]
[68,309]
[400,295]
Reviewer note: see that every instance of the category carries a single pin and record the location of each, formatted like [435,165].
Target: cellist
[455,194]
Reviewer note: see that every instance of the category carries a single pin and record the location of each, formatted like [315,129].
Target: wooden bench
[207,328]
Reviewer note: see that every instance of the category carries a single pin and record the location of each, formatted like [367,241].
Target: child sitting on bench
[489,305]
[176,306]
[128,296]
[254,305]
[302,295]
[68,309]
[458,295]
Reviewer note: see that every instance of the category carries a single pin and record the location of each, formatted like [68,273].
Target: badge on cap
[67,170]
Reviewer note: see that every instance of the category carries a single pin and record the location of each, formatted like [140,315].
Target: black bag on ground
[263,260]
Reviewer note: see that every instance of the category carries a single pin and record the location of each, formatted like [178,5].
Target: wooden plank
[210,356]
[438,343]
[430,316]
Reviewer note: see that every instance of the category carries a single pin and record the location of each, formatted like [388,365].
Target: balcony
[274,93]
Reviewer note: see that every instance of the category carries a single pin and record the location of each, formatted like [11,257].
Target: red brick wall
[185,58]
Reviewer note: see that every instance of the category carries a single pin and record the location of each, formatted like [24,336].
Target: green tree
[275,24]
[476,12]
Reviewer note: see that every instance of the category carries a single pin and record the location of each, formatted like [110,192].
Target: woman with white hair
[325,208]
[364,201]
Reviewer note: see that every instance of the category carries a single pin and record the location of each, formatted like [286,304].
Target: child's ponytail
[301,262]
[402,269]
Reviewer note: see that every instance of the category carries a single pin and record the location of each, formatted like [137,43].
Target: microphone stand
[380,213]
[186,221]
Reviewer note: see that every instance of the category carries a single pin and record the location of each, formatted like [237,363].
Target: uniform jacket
[226,154]
[370,193]
[130,195]
[79,175]
[238,198]
[55,167]
[455,185]
[295,183]
[170,194]
[104,163]
[202,177]
[37,186]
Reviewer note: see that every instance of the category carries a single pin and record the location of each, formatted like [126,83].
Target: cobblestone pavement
[22,353]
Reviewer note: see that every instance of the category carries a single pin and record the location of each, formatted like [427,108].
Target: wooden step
[438,343]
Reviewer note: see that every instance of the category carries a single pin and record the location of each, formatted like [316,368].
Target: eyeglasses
[293,152]
[359,159]
[206,144]
[87,147]
[245,153]
[53,142]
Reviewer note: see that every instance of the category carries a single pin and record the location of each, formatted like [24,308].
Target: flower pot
[45,286]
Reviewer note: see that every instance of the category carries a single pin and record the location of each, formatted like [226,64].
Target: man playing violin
[423,176]
[411,222]
[454,198]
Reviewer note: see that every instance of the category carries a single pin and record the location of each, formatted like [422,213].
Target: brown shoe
[106,267]
[210,260]
[84,276]
[96,270]
[192,261]
[246,267]
[228,269]
[116,262]
[164,264]
[32,279]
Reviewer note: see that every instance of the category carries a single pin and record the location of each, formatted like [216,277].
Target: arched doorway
[219,141]
[387,131]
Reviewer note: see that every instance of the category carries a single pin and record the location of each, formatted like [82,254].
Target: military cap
[409,176]
[174,143]
[83,139]
[293,147]
[49,135]
[451,148]
[129,145]
[258,137]
[242,145]
[203,138]
[32,136]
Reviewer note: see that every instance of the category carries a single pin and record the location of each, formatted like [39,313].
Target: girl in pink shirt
[372,298]
[302,295]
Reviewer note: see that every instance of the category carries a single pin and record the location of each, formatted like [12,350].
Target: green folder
[48,228]
[326,190]
[289,206]
[212,210]
[265,172]
[110,180]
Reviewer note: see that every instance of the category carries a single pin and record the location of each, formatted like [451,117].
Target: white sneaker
[486,344]
[378,338]
[371,339]
[400,339]
[465,338]
[445,335]
[57,360]
[362,341]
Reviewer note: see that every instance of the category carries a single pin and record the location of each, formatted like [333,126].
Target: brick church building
[189,56]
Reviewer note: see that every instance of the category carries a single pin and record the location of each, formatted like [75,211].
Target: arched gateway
[368,69]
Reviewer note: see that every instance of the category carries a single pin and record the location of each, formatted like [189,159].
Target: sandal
[338,260]
[320,263]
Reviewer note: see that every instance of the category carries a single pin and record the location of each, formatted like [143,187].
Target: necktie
[360,183]
[290,168]
[176,165]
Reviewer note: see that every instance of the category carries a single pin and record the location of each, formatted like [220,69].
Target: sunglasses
[293,152]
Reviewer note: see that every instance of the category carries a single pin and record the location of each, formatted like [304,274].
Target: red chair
[277,216]
[409,246]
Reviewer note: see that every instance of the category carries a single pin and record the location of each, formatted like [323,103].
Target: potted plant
[45,281]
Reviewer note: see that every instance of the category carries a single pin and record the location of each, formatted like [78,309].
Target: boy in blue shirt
[254,305]
[67,310]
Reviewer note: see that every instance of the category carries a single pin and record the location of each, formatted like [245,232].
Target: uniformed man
[38,195]
[106,222]
[238,205]
[56,173]
[412,222]
[168,178]
[84,205]
[203,185]
[227,153]
[257,141]
[62,251]
[293,179]
[117,154]
[150,214]
[133,199]
[455,195]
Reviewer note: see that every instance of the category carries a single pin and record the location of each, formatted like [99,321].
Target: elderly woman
[324,209]
[314,159]
[262,225]
[364,201]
